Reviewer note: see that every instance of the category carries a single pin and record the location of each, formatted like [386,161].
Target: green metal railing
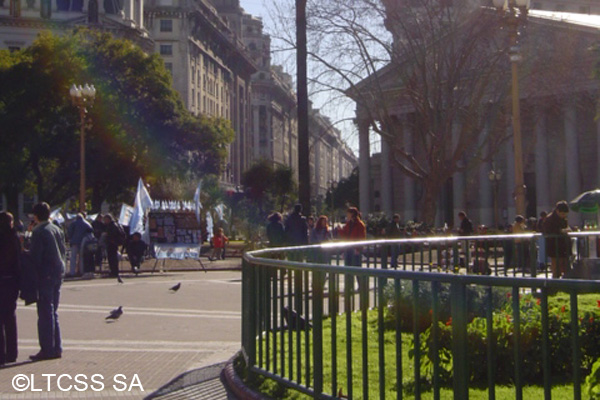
[288,294]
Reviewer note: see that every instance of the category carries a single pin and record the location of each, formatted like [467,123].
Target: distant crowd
[298,230]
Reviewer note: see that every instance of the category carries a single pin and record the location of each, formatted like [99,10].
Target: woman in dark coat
[558,243]
[10,251]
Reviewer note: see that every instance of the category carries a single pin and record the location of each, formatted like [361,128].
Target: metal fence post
[248,313]
[317,287]
[458,312]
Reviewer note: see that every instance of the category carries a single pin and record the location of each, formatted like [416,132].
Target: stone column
[410,212]
[364,164]
[386,178]
[542,181]
[256,132]
[458,179]
[486,200]
[571,151]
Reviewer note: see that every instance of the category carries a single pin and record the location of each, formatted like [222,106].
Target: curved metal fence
[329,330]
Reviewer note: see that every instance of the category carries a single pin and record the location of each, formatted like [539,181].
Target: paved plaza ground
[159,336]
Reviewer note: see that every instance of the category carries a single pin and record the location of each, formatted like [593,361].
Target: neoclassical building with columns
[560,137]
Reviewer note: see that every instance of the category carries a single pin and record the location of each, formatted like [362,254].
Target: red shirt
[354,230]
[219,241]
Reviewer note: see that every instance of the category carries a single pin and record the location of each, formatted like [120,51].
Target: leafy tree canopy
[137,126]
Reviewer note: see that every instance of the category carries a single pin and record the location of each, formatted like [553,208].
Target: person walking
[10,252]
[75,233]
[275,230]
[48,254]
[296,232]
[320,234]
[115,237]
[296,228]
[558,243]
[466,226]
[99,229]
[394,231]
[354,229]
[218,241]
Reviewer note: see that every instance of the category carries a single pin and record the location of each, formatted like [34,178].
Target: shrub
[592,382]
[559,329]
[476,297]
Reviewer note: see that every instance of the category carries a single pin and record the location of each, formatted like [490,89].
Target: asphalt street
[160,335]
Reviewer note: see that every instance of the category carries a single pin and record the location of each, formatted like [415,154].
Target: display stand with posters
[175,235]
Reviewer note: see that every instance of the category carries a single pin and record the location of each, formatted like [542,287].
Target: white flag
[143,202]
[209,226]
[197,204]
[220,212]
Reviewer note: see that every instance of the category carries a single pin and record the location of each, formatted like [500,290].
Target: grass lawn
[287,354]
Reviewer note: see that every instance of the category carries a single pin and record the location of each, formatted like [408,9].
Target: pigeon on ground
[115,314]
[294,320]
[176,287]
[119,279]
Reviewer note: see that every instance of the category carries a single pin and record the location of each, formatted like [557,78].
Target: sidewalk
[153,266]
[202,383]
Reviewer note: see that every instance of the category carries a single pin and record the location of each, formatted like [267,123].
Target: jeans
[113,258]
[74,258]
[352,258]
[9,292]
[47,308]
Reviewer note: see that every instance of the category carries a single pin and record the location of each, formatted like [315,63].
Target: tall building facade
[210,68]
[22,20]
[274,111]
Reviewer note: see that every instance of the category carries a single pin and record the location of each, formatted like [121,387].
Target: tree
[267,186]
[444,63]
[137,126]
[345,193]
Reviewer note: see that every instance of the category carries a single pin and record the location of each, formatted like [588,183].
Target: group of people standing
[34,269]
[299,230]
[89,242]
[554,243]
[47,256]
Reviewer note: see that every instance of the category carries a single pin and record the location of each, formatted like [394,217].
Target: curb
[234,383]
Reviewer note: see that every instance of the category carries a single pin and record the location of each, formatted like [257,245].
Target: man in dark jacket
[296,228]
[114,239]
[48,254]
[99,228]
[466,226]
[558,243]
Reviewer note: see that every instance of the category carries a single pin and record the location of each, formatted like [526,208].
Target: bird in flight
[175,288]
[115,314]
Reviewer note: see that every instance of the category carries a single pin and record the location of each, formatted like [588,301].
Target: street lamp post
[517,9]
[82,97]
[495,175]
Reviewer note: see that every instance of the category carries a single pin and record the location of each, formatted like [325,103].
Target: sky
[259,8]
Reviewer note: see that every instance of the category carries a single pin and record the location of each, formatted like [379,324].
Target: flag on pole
[57,216]
[143,202]
[197,204]
[209,226]
[220,210]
